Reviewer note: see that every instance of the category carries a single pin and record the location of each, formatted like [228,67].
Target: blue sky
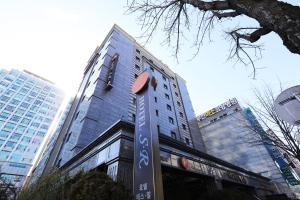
[55,39]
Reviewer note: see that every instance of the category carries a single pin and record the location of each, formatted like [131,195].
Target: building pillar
[214,185]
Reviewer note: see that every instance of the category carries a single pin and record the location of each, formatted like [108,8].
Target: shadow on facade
[180,184]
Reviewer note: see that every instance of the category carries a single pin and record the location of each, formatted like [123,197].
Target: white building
[28,105]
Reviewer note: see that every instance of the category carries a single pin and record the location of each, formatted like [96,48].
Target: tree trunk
[282,18]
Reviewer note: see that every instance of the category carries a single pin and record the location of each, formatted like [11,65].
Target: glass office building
[232,133]
[28,105]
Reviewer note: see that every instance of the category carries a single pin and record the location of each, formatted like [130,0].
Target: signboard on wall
[219,108]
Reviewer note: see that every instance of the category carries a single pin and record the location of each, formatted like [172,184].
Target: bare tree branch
[279,133]
[174,16]
[221,15]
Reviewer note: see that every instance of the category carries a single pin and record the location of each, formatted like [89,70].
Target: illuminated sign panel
[219,108]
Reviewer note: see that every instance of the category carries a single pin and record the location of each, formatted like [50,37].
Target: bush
[83,186]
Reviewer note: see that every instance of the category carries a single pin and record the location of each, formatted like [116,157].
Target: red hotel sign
[140,82]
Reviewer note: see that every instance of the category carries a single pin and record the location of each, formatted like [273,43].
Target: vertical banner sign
[147,168]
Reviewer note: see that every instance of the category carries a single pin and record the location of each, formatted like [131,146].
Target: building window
[155,99]
[183,126]
[156,112]
[4,115]
[135,75]
[137,67]
[21,147]
[167,96]
[4,133]
[174,86]
[158,129]
[76,115]
[178,103]
[134,101]
[11,126]
[181,114]
[152,69]
[169,107]
[10,145]
[15,136]
[164,78]
[133,117]
[138,59]
[165,86]
[171,120]
[173,135]
[138,51]
[187,141]
[176,94]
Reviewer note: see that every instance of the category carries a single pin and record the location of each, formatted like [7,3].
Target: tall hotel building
[28,105]
[232,133]
[98,132]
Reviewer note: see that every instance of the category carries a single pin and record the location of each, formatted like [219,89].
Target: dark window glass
[164,78]
[181,114]
[15,101]
[9,108]
[155,99]
[15,118]
[165,86]
[25,105]
[137,67]
[171,120]
[167,96]
[76,115]
[4,98]
[24,90]
[187,141]
[137,58]
[178,103]
[4,115]
[184,126]
[173,135]
[15,136]
[156,112]
[169,107]
[41,133]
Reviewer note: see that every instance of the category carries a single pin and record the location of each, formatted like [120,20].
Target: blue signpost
[147,167]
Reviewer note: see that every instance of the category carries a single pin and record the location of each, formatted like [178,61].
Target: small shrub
[92,185]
